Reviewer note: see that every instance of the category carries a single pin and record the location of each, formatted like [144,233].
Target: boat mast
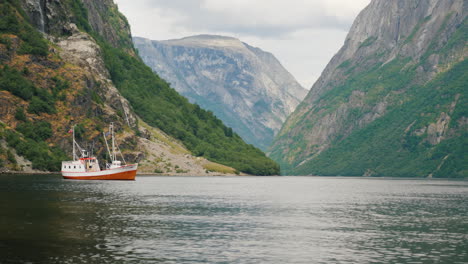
[113,142]
[74,154]
[75,144]
[107,145]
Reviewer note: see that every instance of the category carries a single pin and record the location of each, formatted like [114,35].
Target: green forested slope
[389,146]
[391,102]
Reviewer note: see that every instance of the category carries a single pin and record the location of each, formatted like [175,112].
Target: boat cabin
[81,165]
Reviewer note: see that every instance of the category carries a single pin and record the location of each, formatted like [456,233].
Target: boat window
[90,166]
[74,167]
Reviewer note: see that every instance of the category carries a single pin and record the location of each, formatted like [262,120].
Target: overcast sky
[302,34]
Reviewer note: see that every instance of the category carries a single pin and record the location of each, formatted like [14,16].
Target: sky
[302,34]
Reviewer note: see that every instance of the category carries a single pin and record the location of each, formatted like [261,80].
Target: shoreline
[27,172]
[149,174]
[138,174]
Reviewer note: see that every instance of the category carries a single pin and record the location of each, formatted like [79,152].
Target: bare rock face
[245,87]
[80,49]
[101,17]
[47,15]
[387,29]
[54,17]
[390,60]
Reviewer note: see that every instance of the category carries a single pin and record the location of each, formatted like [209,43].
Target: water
[44,219]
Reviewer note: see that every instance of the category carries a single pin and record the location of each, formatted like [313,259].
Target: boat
[86,167]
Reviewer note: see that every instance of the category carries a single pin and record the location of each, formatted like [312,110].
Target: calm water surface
[44,219]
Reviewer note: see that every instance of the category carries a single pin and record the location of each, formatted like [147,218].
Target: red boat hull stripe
[126,175]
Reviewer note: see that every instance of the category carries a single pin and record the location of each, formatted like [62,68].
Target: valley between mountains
[391,102]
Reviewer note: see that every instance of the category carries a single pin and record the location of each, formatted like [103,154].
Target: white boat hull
[126,172]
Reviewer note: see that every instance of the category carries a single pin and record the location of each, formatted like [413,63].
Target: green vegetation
[79,131]
[112,18]
[60,86]
[41,101]
[2,151]
[38,131]
[81,15]
[345,64]
[385,149]
[37,106]
[32,145]
[33,43]
[377,81]
[229,119]
[12,22]
[8,19]
[368,41]
[11,158]
[13,81]
[214,167]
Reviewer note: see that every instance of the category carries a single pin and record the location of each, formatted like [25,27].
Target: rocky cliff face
[244,86]
[54,19]
[377,106]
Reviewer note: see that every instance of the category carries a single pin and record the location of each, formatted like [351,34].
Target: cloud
[302,34]
[260,17]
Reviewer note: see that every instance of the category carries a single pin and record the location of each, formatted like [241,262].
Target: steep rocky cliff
[72,62]
[54,19]
[391,102]
[244,86]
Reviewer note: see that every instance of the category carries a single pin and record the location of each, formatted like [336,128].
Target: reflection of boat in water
[87,168]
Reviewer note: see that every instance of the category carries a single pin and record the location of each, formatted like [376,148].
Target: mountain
[391,102]
[244,86]
[72,62]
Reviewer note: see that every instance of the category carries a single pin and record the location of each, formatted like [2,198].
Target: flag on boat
[70,131]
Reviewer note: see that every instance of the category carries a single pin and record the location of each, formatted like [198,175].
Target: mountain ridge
[205,40]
